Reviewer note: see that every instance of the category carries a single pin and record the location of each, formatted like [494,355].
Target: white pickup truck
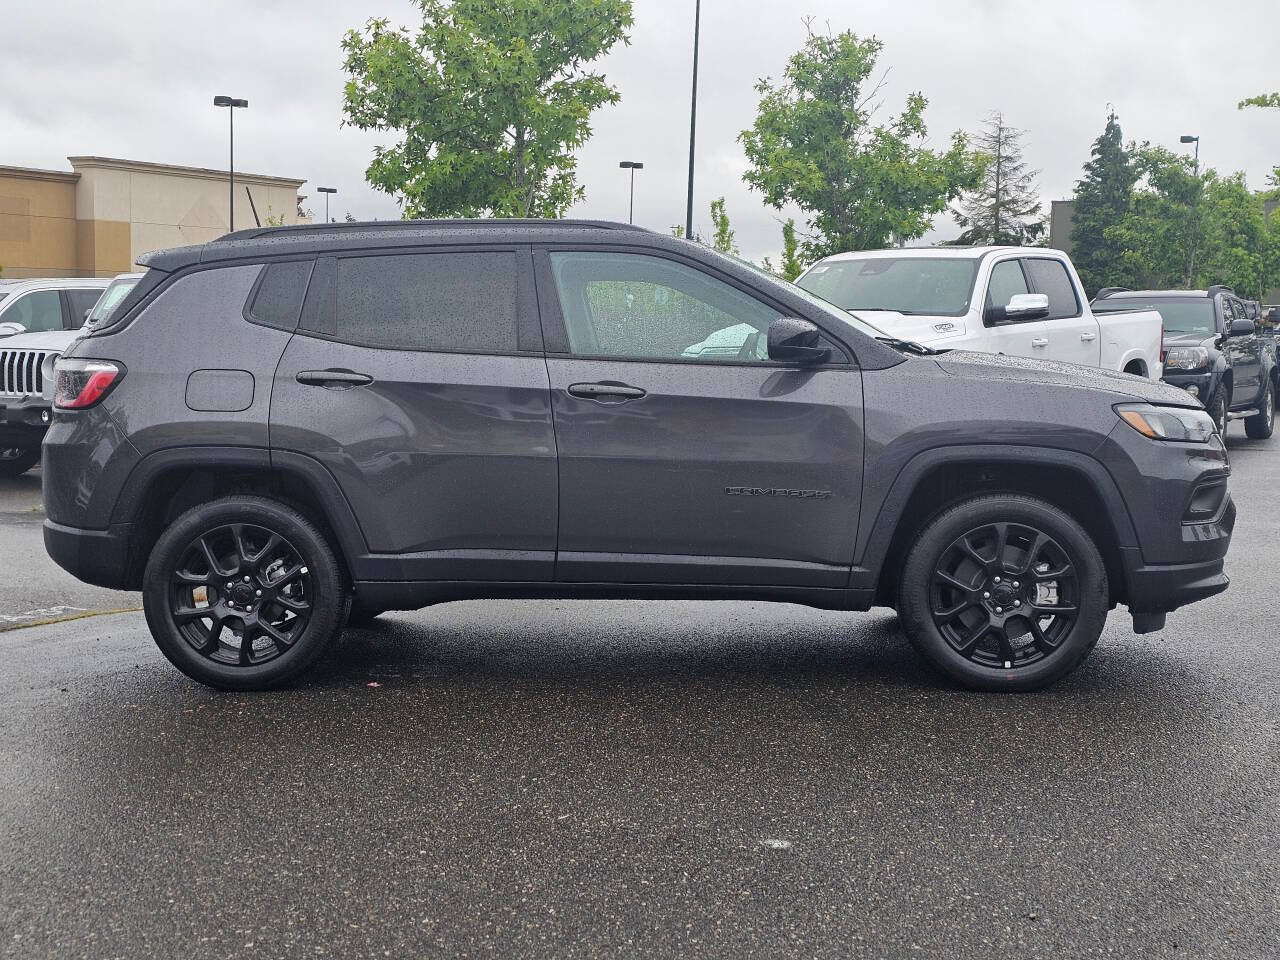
[1021,301]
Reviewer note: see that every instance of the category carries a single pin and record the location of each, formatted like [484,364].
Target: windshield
[1181,315]
[929,286]
[826,308]
[110,299]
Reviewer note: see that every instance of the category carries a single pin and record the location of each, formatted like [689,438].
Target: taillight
[82,383]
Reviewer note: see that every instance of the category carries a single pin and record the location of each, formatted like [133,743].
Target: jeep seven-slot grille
[20,372]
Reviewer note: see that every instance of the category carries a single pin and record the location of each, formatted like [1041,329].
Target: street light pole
[693,119]
[633,166]
[1195,219]
[231,103]
[326,191]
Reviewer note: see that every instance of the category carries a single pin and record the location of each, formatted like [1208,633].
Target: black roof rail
[1108,291]
[393,225]
[1220,288]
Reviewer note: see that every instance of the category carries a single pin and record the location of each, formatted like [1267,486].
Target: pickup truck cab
[1020,301]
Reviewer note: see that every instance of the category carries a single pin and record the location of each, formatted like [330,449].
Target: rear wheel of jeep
[243,593]
[1263,423]
[1003,592]
[15,461]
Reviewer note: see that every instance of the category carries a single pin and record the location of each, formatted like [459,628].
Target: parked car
[288,422]
[1018,301]
[38,320]
[1212,350]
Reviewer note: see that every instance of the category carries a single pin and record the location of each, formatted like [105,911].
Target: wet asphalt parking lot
[610,779]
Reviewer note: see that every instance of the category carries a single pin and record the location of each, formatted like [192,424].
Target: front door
[1014,338]
[413,382]
[686,455]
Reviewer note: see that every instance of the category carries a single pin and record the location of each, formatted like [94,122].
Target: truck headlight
[1168,423]
[1186,358]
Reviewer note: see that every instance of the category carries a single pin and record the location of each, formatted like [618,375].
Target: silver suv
[39,319]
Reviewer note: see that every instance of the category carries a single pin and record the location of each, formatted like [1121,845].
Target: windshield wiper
[905,313]
[908,346]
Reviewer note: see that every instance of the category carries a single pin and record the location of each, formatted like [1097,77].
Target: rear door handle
[333,378]
[1088,337]
[605,392]
[1040,342]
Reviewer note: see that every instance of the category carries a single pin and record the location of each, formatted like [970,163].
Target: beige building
[96,220]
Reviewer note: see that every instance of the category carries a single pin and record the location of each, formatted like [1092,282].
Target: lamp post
[326,191]
[693,119]
[231,103]
[633,166]
[1195,220]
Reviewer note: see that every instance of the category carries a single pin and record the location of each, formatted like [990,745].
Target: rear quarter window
[276,301]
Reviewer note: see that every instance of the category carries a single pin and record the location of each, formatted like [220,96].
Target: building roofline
[33,173]
[208,173]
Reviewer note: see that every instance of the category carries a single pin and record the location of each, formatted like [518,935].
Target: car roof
[323,238]
[1170,294]
[26,284]
[947,252]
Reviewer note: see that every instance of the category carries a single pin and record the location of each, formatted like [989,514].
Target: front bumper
[1160,588]
[99,557]
[23,421]
[1201,380]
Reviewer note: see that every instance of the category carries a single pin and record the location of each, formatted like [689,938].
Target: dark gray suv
[288,429]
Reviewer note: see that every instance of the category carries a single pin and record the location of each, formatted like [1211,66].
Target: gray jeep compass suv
[290,428]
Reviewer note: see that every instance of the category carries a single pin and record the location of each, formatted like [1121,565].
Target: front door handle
[333,378]
[605,392]
[1040,342]
[1088,337]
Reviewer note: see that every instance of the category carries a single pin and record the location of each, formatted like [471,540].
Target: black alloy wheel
[1262,424]
[1005,595]
[240,595]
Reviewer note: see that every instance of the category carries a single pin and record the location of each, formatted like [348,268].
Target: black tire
[15,461]
[1217,407]
[252,564]
[360,615]
[963,598]
[1261,427]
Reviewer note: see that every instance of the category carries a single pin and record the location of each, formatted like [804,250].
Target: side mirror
[1242,328]
[11,328]
[1022,306]
[86,314]
[792,340]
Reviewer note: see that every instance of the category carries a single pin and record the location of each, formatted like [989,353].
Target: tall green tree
[723,238]
[489,101]
[1004,207]
[1102,200]
[1264,101]
[815,143]
[792,265]
[1155,237]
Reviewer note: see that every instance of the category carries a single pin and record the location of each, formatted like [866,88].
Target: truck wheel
[1261,426]
[1003,592]
[1217,407]
[243,593]
[15,461]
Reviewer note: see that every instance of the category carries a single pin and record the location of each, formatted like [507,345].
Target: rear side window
[463,302]
[1050,278]
[277,301]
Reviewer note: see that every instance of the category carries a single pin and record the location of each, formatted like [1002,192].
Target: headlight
[1186,358]
[1168,423]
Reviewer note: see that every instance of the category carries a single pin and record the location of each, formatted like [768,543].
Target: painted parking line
[58,614]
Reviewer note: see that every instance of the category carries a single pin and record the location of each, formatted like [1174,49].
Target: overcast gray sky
[136,78]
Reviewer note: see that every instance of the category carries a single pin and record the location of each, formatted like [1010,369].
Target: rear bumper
[99,557]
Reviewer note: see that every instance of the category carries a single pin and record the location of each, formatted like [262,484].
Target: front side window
[449,301]
[1007,281]
[39,312]
[927,286]
[636,306]
[1050,278]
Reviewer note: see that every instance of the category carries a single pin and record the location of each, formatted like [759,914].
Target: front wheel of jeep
[1003,592]
[243,593]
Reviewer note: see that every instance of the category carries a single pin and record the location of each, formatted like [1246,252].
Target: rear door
[417,379]
[686,455]
[1014,338]
[1075,336]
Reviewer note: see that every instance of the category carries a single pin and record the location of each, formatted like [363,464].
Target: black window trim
[1070,282]
[556,336]
[527,328]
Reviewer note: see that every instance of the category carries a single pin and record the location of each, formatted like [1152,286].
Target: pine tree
[1102,200]
[1004,209]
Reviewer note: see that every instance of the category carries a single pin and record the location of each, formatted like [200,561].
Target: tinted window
[429,301]
[629,305]
[82,302]
[1180,314]
[1006,281]
[39,312]
[1050,278]
[930,286]
[111,298]
[278,299]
